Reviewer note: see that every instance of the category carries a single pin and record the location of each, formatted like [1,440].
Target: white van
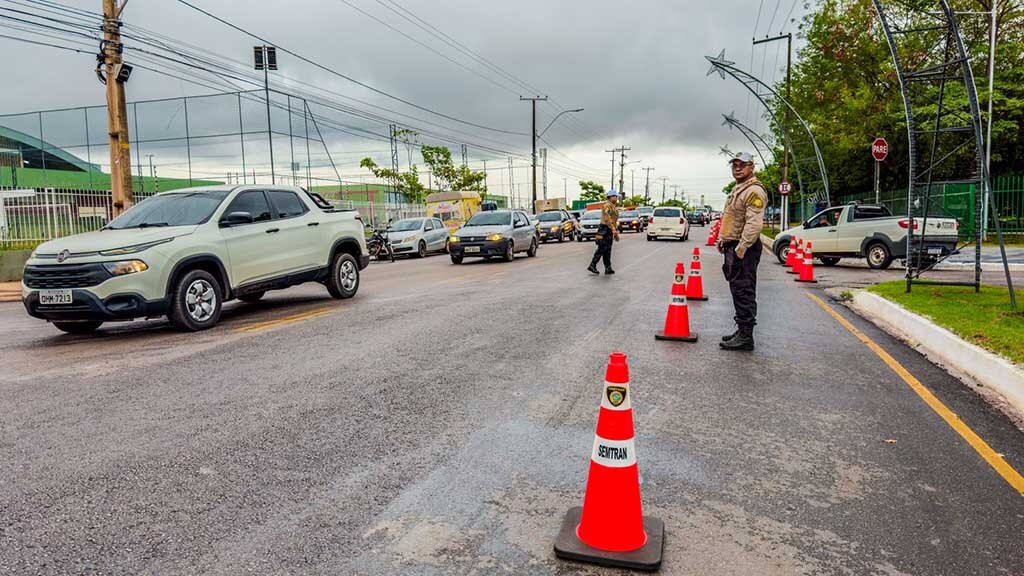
[668,222]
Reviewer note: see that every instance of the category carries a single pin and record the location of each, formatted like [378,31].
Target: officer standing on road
[607,232]
[740,242]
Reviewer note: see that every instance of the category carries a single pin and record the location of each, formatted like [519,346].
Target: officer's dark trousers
[741,273]
[604,248]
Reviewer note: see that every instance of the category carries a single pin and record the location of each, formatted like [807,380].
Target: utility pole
[115,74]
[647,185]
[152,173]
[632,182]
[785,141]
[265,58]
[622,169]
[675,191]
[465,155]
[663,179]
[533,137]
[611,185]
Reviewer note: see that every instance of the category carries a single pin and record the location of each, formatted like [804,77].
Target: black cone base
[569,547]
[691,338]
[807,281]
[702,298]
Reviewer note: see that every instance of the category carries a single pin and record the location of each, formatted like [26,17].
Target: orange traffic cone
[791,254]
[807,270]
[712,237]
[798,260]
[610,529]
[695,284]
[677,321]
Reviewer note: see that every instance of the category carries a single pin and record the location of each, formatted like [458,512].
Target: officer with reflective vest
[607,232]
[740,242]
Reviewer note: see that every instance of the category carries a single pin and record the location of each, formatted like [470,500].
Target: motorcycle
[379,246]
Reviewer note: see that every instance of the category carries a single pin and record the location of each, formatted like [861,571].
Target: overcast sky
[639,72]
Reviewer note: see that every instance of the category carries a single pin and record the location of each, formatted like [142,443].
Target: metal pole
[241,135]
[138,148]
[309,162]
[878,194]
[291,140]
[88,151]
[188,142]
[988,143]
[533,176]
[270,138]
[42,150]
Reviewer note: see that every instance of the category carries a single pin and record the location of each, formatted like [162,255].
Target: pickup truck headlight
[495,237]
[125,267]
[453,239]
[554,228]
[135,248]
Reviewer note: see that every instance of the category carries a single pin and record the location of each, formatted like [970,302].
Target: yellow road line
[286,320]
[980,446]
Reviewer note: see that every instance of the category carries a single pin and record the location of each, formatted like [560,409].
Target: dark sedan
[697,217]
[499,233]
[630,220]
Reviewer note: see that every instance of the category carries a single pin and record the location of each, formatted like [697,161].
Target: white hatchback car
[668,222]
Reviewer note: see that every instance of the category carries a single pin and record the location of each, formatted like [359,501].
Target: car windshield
[646,210]
[407,225]
[490,219]
[629,214]
[550,217]
[592,215]
[173,209]
[666,212]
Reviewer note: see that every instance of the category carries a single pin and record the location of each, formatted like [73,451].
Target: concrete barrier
[12,262]
[944,347]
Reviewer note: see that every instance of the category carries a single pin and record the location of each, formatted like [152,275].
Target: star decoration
[730,119]
[717,63]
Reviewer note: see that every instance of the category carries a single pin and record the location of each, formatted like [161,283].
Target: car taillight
[682,220]
[906,224]
[651,221]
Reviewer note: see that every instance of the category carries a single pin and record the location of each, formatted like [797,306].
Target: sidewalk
[10,291]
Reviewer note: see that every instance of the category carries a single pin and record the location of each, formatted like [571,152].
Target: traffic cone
[798,260]
[610,528]
[807,270]
[677,321]
[695,283]
[791,255]
[712,237]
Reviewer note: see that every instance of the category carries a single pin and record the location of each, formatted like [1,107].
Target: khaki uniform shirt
[610,215]
[743,216]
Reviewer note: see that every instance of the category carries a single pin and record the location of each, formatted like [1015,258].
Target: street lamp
[556,118]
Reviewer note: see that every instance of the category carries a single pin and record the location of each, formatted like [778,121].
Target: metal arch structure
[944,127]
[755,139]
[800,137]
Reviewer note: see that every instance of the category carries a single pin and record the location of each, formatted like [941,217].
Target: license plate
[472,249]
[54,297]
[936,250]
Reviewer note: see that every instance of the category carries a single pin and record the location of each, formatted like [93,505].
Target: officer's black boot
[593,268]
[744,340]
[731,336]
[609,271]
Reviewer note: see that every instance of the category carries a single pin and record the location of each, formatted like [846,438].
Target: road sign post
[784,189]
[879,151]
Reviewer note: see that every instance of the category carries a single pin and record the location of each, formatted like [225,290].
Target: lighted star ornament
[718,63]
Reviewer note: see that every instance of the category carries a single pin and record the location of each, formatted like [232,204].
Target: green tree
[591,191]
[448,176]
[634,201]
[674,203]
[407,183]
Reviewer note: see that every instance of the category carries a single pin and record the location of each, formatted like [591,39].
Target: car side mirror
[235,219]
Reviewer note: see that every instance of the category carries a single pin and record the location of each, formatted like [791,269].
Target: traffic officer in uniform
[740,242]
[607,232]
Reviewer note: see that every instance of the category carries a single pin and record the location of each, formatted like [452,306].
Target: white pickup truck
[870,232]
[184,253]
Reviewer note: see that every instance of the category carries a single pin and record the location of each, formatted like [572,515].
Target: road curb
[944,348]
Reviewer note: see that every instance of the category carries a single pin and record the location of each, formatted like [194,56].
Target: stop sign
[879,149]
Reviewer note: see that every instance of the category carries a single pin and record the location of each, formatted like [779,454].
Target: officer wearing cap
[740,242]
[606,233]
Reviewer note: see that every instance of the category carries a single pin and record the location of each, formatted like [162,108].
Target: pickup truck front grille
[65,276]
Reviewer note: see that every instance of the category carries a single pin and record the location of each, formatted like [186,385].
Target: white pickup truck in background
[870,232]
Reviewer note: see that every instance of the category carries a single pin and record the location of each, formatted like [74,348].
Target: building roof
[32,143]
[454,195]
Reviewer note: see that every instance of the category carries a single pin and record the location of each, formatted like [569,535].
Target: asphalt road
[441,423]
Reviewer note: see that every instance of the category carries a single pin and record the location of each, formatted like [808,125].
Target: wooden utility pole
[622,170]
[114,76]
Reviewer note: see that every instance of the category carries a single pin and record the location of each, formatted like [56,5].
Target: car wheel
[579,238]
[650,238]
[510,251]
[879,257]
[829,261]
[421,250]
[782,252]
[447,247]
[77,327]
[533,249]
[456,259]
[252,296]
[343,281]
[196,301]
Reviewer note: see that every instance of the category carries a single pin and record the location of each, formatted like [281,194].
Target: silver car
[418,236]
